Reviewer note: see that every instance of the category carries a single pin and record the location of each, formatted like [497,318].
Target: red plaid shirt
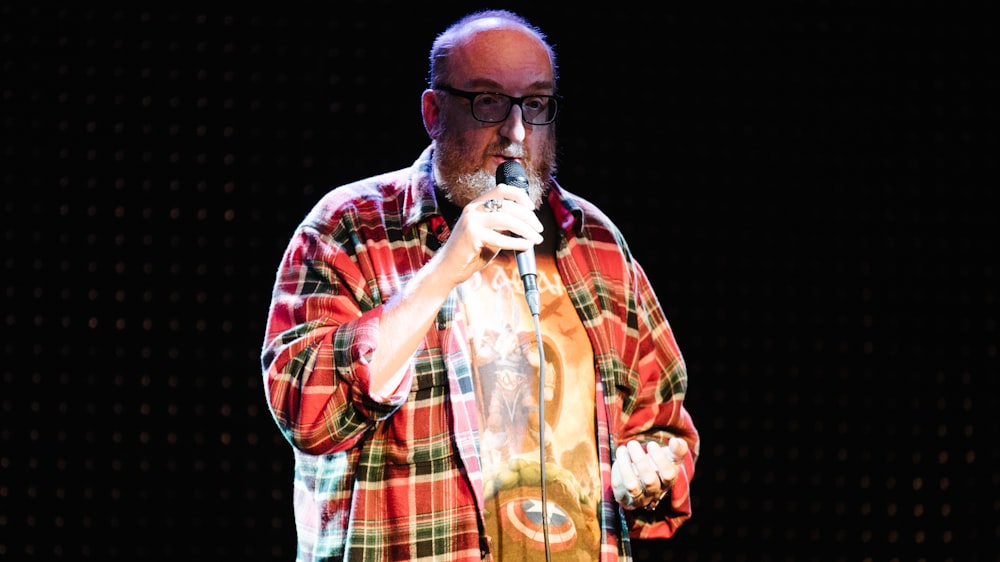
[400,479]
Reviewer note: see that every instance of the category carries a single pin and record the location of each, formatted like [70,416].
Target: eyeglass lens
[494,108]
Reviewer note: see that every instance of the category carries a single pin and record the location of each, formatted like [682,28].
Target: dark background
[813,194]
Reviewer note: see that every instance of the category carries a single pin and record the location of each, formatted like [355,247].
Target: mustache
[508,150]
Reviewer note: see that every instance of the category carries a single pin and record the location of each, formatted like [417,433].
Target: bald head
[491,33]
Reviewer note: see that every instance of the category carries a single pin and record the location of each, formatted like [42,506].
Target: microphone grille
[513,174]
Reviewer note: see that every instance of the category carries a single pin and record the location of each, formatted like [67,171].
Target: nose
[513,127]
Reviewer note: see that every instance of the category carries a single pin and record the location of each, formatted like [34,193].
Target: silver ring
[651,506]
[637,495]
[492,205]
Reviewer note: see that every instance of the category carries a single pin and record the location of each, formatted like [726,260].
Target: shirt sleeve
[656,411]
[322,327]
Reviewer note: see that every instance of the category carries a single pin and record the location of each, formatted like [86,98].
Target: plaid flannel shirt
[400,478]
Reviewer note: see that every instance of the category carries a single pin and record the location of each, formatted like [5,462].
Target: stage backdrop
[814,196]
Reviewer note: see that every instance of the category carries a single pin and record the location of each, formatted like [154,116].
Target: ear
[430,108]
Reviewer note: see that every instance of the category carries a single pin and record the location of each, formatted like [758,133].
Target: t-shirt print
[503,340]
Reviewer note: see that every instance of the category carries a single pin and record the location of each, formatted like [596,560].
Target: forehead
[503,54]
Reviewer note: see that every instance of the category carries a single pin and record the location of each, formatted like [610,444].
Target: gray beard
[461,185]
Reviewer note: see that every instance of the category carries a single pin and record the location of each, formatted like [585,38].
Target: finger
[513,201]
[518,227]
[618,488]
[499,238]
[497,231]
[645,471]
[628,500]
[514,194]
[678,450]
[663,461]
[629,485]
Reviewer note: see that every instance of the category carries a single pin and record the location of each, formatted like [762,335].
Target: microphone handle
[529,277]
[512,173]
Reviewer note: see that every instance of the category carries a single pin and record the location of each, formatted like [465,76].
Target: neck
[449,210]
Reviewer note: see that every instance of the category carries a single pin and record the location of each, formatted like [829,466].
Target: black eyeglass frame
[471,96]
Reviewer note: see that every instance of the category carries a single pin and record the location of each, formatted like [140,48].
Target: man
[419,390]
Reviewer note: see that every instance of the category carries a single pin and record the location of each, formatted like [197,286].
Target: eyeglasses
[491,107]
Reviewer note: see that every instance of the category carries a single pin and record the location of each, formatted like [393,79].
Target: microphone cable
[541,433]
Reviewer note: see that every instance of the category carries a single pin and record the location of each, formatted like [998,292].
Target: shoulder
[369,195]
[578,214]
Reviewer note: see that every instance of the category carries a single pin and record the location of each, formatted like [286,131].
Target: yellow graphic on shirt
[504,343]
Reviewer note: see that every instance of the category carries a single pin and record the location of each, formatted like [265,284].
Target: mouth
[500,159]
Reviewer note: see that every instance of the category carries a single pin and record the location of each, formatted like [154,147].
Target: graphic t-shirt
[505,345]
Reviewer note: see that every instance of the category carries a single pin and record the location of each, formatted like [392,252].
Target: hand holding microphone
[503,219]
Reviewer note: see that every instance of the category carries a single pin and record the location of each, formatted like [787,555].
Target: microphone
[513,174]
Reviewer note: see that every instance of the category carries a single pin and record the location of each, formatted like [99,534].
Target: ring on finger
[651,506]
[492,205]
[634,497]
